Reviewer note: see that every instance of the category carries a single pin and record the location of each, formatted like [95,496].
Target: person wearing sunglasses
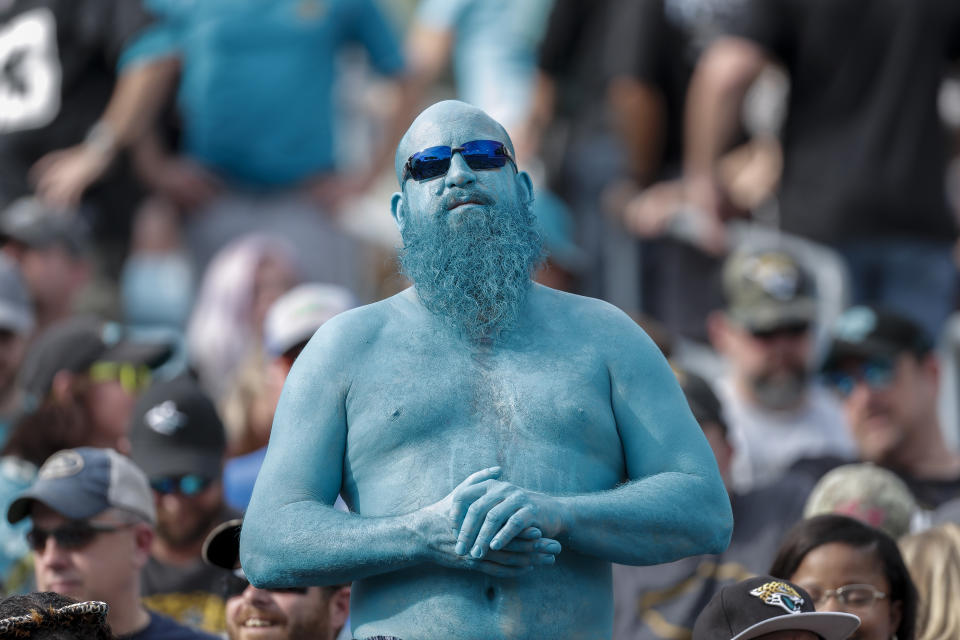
[286,613]
[91,526]
[778,412]
[179,441]
[883,367]
[499,443]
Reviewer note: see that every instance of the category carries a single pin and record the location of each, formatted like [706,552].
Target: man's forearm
[137,97]
[309,543]
[717,91]
[658,519]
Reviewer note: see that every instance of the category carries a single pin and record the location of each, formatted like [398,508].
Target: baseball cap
[865,332]
[30,222]
[762,605]
[81,483]
[16,310]
[222,546]
[296,315]
[177,431]
[866,492]
[75,344]
[767,289]
[703,402]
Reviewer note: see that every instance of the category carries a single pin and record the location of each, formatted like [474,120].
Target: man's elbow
[715,523]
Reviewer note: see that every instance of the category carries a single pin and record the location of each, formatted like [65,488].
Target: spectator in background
[765,608]
[864,153]
[883,366]
[92,525]
[83,375]
[933,558]
[77,92]
[226,325]
[259,146]
[298,613]
[51,616]
[777,413]
[53,250]
[248,410]
[849,566]
[17,321]
[867,493]
[651,53]
[661,601]
[179,442]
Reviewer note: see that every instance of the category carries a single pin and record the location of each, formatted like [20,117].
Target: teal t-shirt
[257,80]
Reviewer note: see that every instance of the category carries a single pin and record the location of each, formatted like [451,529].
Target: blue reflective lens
[877,374]
[434,162]
[188,485]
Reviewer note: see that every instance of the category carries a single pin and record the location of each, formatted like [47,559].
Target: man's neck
[924,455]
[180,556]
[128,616]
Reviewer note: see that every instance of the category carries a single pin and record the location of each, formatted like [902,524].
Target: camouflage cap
[866,492]
[767,289]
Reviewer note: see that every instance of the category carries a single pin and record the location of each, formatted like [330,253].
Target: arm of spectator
[292,535]
[61,177]
[673,503]
[184,182]
[714,100]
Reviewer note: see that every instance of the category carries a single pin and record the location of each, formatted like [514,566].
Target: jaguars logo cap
[762,605]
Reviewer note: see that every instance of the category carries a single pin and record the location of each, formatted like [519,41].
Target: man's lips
[458,200]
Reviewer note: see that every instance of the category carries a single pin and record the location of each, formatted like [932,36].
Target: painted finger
[473,520]
[494,521]
[517,522]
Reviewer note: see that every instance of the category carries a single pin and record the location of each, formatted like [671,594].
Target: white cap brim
[828,625]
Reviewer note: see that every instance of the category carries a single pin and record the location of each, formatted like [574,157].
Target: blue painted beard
[474,267]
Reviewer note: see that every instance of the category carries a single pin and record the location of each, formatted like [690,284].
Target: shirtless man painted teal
[499,443]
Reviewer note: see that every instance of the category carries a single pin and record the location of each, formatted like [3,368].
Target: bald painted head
[470,246]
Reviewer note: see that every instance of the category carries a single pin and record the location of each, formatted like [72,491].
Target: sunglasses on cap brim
[433,162]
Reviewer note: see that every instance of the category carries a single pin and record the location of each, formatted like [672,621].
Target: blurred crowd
[188,190]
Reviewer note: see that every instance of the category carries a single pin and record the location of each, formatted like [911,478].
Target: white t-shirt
[767,442]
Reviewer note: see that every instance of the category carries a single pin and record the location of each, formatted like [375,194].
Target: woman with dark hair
[849,566]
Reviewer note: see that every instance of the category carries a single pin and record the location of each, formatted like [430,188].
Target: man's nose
[52,554]
[460,173]
[260,598]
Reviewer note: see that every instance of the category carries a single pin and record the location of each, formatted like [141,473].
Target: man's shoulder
[163,628]
[573,308]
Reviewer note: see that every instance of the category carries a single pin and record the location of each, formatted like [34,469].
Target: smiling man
[499,443]
[298,613]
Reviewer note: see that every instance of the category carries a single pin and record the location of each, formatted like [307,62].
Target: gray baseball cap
[298,313]
[30,222]
[16,309]
[81,483]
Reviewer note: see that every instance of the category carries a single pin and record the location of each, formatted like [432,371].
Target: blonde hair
[933,558]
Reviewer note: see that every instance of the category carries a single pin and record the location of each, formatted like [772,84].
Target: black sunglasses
[793,330]
[433,162]
[72,536]
[187,485]
[235,583]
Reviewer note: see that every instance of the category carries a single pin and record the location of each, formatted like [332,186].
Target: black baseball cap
[77,343]
[762,605]
[177,431]
[222,546]
[866,332]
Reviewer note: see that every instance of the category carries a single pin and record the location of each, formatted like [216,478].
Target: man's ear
[339,607]
[61,387]
[525,184]
[396,210]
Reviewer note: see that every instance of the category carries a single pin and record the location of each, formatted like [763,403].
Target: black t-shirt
[658,42]
[864,149]
[58,62]
[163,628]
